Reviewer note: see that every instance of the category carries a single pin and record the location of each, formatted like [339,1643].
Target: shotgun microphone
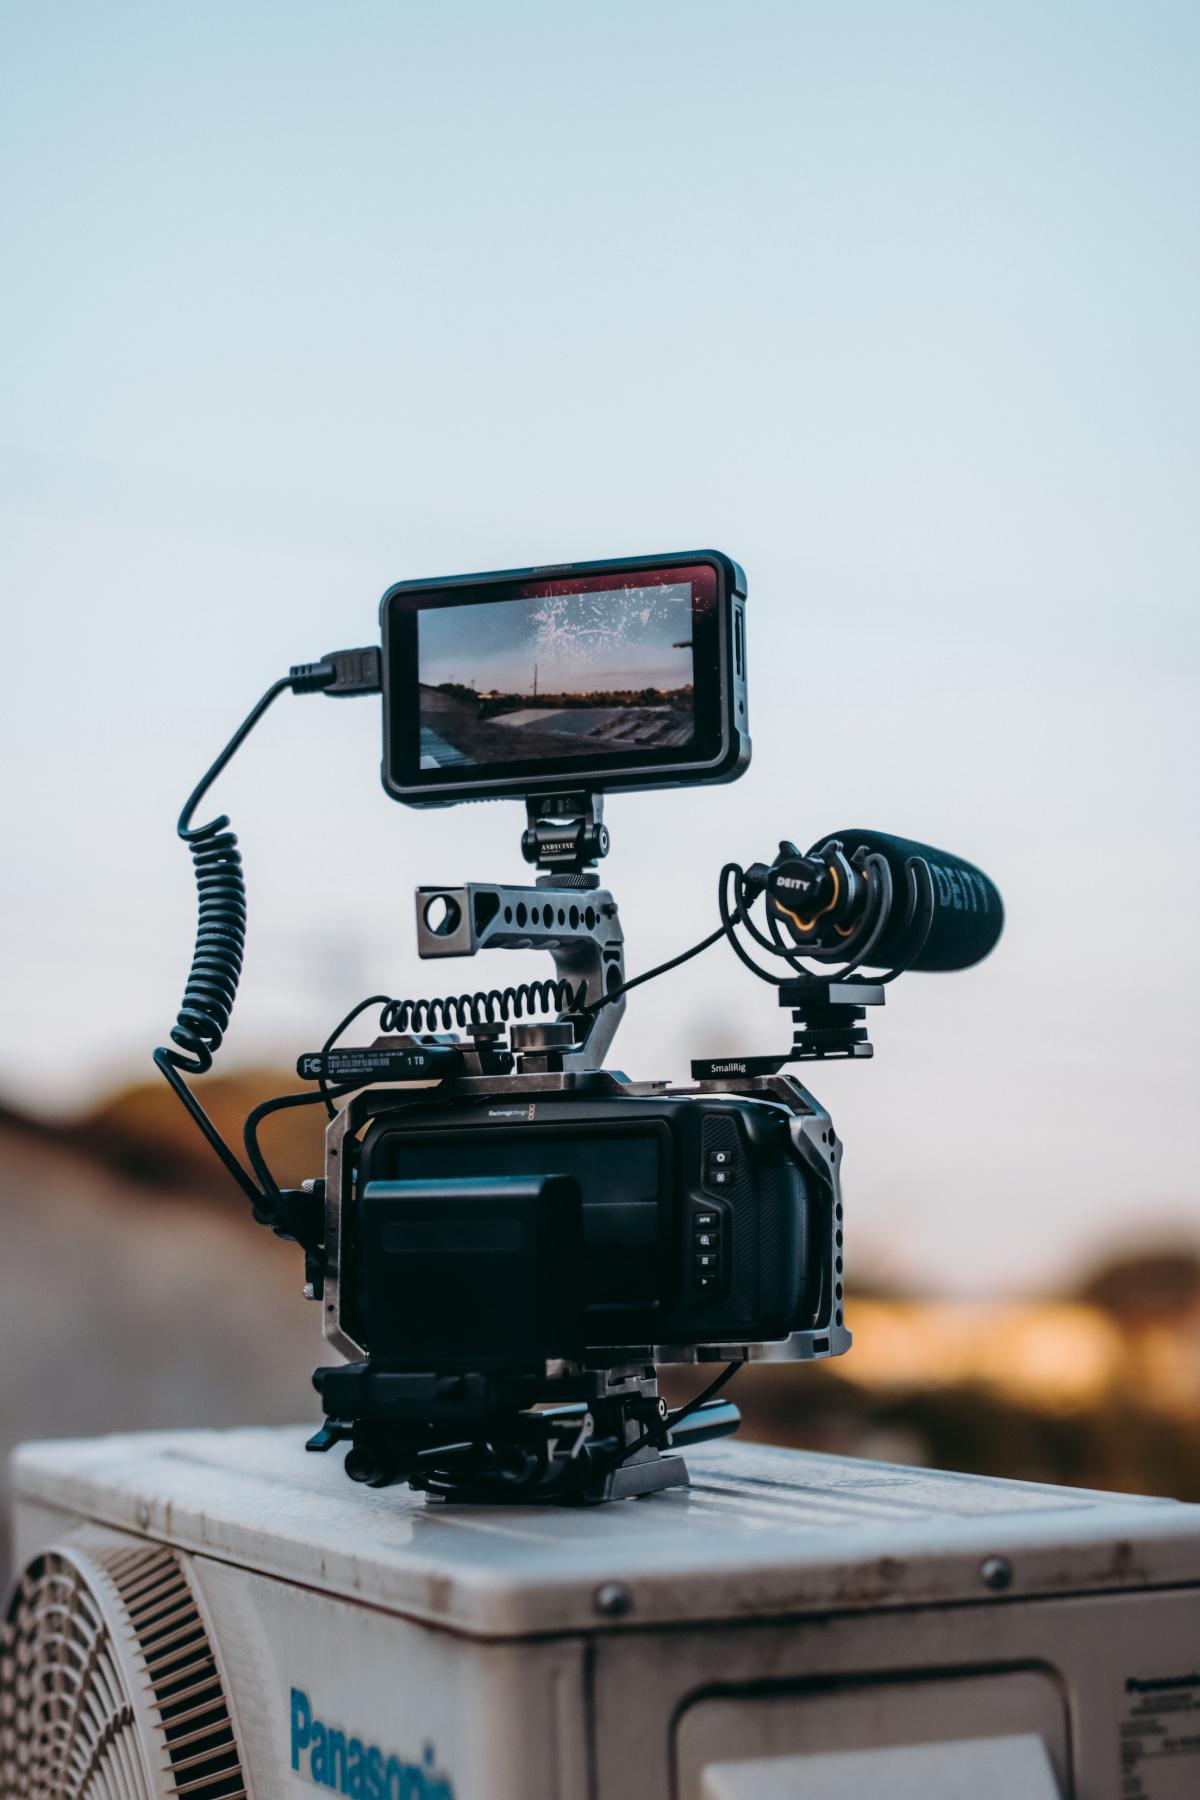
[867,897]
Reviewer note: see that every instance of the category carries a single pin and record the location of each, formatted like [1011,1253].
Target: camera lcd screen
[600,676]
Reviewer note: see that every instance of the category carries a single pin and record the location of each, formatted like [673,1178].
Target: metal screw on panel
[310,1292]
[996,1573]
[613,1600]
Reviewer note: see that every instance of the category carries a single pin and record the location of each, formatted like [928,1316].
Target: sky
[629,637]
[894,303]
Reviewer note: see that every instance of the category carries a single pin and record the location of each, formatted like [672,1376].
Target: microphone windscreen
[968,913]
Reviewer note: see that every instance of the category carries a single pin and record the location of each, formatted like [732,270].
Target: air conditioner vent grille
[109,1687]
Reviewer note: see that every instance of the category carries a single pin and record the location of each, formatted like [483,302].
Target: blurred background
[895,304]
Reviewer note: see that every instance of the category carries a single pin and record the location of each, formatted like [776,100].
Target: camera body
[684,1225]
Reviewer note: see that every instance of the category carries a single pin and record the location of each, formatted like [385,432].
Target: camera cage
[609,1403]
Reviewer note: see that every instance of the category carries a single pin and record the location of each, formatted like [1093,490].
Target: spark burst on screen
[581,630]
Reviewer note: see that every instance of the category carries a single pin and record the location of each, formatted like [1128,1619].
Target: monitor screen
[557,675]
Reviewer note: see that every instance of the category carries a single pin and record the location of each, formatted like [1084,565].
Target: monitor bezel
[721,746]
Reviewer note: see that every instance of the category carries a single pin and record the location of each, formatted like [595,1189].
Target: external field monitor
[596,676]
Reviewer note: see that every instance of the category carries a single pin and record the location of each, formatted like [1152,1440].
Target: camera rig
[573,1431]
[510,1238]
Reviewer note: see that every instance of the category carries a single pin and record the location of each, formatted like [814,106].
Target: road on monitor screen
[546,732]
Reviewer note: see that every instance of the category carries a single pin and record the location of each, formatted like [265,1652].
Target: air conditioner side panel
[34,1528]
[1110,1683]
[307,1674]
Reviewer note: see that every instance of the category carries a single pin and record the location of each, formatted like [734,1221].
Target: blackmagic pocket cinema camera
[509,1238]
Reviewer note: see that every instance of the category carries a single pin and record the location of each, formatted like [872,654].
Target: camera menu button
[706,1248]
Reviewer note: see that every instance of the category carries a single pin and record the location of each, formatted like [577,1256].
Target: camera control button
[719,1168]
[707,1221]
[704,1282]
[706,1260]
[706,1240]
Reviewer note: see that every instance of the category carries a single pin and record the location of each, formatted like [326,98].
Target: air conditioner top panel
[760,1533]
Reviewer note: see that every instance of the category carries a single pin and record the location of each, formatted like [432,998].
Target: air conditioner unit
[215,1615]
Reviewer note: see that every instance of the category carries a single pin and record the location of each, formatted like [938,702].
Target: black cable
[282,686]
[875,922]
[740,916]
[675,1418]
[212,983]
[921,909]
[660,969]
[486,1006]
[729,918]
[162,1062]
[280,1103]
[479,1006]
[324,1091]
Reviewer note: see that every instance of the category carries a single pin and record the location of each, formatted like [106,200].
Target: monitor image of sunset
[556,675]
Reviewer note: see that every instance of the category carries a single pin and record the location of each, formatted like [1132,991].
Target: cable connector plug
[754,881]
[340,673]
